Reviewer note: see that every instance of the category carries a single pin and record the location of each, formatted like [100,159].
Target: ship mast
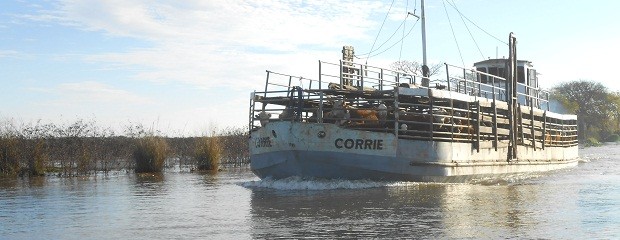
[425,69]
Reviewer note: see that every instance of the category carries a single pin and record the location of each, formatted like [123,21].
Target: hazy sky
[187,66]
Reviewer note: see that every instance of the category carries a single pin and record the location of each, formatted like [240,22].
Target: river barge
[358,121]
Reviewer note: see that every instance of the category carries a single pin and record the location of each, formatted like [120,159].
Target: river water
[577,203]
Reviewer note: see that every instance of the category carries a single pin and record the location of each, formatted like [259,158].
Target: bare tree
[415,68]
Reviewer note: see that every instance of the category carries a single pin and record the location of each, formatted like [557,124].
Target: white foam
[297,183]
[585,160]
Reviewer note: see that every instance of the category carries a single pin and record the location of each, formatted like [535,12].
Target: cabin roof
[501,63]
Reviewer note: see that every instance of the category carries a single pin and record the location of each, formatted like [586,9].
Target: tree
[415,68]
[614,100]
[593,104]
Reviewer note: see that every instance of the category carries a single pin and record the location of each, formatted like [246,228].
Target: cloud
[90,94]
[12,54]
[212,43]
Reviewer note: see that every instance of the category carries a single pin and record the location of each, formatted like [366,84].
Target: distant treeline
[597,109]
[83,147]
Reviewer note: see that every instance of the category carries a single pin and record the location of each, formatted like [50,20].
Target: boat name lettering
[262,142]
[373,144]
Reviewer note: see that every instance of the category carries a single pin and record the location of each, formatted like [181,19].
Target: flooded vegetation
[83,148]
[235,204]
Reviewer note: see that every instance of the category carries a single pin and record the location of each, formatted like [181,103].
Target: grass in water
[84,147]
[208,153]
[150,154]
[9,161]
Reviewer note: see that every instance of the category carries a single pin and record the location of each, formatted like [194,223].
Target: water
[578,203]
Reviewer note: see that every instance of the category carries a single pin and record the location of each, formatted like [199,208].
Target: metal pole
[266,84]
[341,75]
[396,124]
[320,73]
[478,118]
[447,76]
[425,80]
[320,113]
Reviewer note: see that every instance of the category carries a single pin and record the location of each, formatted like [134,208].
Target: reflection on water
[405,211]
[572,203]
[582,203]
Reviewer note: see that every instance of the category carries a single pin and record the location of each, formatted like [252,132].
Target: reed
[9,152]
[150,154]
[83,147]
[208,152]
[234,142]
[37,163]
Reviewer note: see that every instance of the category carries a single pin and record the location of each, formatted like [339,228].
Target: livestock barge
[364,122]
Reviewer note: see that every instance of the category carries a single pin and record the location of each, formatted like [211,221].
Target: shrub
[613,138]
[592,142]
[38,159]
[150,154]
[9,161]
[208,153]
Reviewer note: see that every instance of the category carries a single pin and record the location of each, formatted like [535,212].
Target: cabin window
[501,72]
[493,71]
[481,77]
[521,75]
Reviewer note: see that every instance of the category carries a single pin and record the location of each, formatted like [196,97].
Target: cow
[287,114]
[263,117]
[382,113]
[462,122]
[338,114]
[362,117]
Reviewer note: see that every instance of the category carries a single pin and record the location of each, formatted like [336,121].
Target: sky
[187,67]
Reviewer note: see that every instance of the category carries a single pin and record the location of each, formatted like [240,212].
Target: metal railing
[364,88]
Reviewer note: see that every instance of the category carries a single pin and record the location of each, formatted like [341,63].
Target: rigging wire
[400,54]
[381,28]
[472,36]
[386,41]
[453,35]
[402,39]
[481,29]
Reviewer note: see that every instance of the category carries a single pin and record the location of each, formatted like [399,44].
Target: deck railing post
[300,103]
[266,84]
[288,89]
[341,75]
[320,75]
[465,77]
[381,80]
[478,118]
[320,112]
[544,133]
[478,83]
[495,138]
[396,103]
[447,76]
[361,77]
[520,123]
[252,110]
[432,119]
[532,132]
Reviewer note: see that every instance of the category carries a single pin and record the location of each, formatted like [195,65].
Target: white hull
[284,149]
